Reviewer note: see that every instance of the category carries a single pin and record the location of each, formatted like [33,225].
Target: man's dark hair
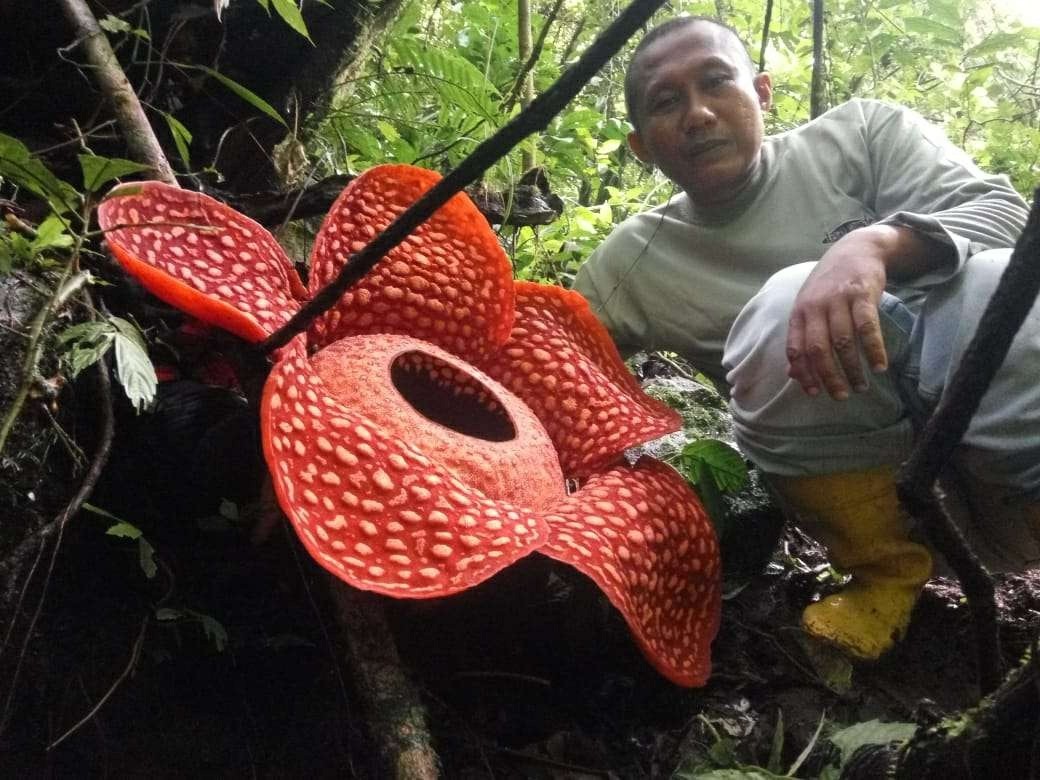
[634,74]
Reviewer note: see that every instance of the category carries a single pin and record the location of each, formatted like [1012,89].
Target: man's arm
[939,208]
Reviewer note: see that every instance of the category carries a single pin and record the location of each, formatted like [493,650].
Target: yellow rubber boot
[857,516]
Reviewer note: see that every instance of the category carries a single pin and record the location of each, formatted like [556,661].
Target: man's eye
[662,102]
[717,80]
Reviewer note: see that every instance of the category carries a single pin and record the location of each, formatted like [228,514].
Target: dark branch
[817,103]
[534,118]
[765,36]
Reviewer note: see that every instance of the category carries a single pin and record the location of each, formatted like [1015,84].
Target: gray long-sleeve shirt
[675,278]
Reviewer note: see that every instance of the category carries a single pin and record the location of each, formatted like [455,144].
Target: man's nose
[699,113]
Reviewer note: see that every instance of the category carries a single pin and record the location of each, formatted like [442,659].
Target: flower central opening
[450,397]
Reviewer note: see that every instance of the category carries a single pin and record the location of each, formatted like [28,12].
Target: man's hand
[836,312]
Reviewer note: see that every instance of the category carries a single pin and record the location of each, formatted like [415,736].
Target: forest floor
[531,675]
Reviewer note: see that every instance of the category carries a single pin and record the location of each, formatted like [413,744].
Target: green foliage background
[442,81]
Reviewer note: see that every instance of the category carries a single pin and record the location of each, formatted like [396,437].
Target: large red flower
[424,445]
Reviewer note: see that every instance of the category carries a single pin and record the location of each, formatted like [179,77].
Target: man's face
[700,111]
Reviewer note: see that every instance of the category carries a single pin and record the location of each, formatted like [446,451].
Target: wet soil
[532,675]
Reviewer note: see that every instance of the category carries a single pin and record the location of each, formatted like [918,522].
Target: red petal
[644,538]
[449,283]
[202,257]
[372,509]
[441,405]
[561,361]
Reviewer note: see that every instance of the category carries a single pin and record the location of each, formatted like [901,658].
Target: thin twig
[135,654]
[535,117]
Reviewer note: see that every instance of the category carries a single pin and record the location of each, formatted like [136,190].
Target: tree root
[395,715]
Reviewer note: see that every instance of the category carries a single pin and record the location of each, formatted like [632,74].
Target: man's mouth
[703,147]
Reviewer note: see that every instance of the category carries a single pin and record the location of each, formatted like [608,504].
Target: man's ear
[635,143]
[764,89]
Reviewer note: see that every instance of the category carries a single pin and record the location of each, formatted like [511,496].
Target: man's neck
[721,208]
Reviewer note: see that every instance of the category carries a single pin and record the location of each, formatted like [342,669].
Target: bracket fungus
[419,437]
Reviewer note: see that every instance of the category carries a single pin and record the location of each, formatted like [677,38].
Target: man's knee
[755,355]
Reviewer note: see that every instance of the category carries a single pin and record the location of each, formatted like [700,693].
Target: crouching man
[831,277]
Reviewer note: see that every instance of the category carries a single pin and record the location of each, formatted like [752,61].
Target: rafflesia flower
[420,437]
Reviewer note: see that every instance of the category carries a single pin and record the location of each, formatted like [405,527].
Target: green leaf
[872,732]
[722,463]
[455,79]
[998,41]
[124,530]
[165,614]
[24,170]
[134,370]
[129,330]
[84,344]
[114,24]
[98,171]
[213,629]
[290,13]
[146,557]
[247,95]
[925,26]
[181,137]
[51,235]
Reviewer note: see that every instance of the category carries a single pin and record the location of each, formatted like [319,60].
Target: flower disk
[371,509]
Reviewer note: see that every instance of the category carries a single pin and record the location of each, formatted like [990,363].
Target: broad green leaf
[265,4]
[134,371]
[247,95]
[124,530]
[181,137]
[129,330]
[290,13]
[168,613]
[998,41]
[50,234]
[84,344]
[19,166]
[114,24]
[723,463]
[98,171]
[872,732]
[924,25]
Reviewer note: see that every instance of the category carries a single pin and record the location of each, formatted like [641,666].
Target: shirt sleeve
[923,181]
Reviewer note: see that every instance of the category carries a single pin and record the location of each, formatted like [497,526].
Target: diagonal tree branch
[140,139]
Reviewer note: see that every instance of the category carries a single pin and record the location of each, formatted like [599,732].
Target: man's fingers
[798,364]
[820,352]
[868,329]
[846,346]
